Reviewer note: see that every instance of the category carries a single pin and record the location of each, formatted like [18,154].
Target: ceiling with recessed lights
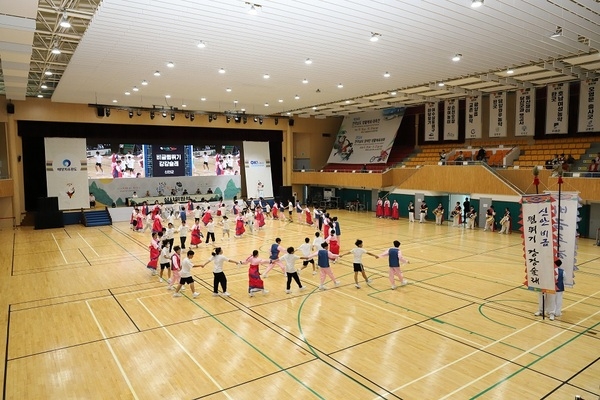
[231,55]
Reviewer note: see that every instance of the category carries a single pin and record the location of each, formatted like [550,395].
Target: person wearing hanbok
[196,236]
[275,210]
[308,215]
[334,244]
[239,225]
[457,215]
[379,209]
[395,211]
[387,211]
[255,283]
[260,217]
[157,223]
[207,216]
[154,253]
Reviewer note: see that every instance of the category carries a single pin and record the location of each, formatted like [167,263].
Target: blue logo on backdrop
[66,163]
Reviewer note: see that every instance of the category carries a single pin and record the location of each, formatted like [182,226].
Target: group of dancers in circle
[178,263]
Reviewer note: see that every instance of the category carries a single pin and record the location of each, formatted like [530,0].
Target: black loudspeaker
[285,194]
[49,220]
[100,111]
[47,205]
[10,108]
[291,121]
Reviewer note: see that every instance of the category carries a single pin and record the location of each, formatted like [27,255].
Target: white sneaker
[195,294]
[337,283]
[153,272]
[322,287]
[170,287]
[537,313]
[182,289]
[177,294]
[357,285]
[314,272]
[551,317]
[215,294]
[226,294]
[251,294]
[302,288]
[161,280]
[169,281]
[404,282]
[369,281]
[288,291]
[394,287]
[265,291]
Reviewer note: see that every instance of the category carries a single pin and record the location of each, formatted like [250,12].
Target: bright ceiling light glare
[476,3]
[348,101]
[297,97]
[375,36]
[305,81]
[510,71]
[202,98]
[235,102]
[457,57]
[44,86]
[40,95]
[135,89]
[201,44]
[167,96]
[127,93]
[266,104]
[393,93]
[170,64]
[48,73]
[115,101]
[340,86]
[266,76]
[308,61]
[441,84]
[144,83]
[156,73]
[314,107]
[221,70]
[280,100]
[64,21]
[386,74]
[557,33]
[228,90]
[183,105]
[56,50]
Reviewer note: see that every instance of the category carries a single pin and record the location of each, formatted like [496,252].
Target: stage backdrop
[366,138]
[257,165]
[66,172]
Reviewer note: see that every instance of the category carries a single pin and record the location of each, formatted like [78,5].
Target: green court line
[533,362]
[281,368]
[488,318]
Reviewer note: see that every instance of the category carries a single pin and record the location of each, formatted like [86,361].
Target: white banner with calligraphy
[525,115]
[473,117]
[538,242]
[451,119]
[557,108]
[366,137]
[431,122]
[497,114]
[589,106]
[66,172]
[566,234]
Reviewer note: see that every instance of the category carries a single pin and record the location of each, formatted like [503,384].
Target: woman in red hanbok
[395,211]
[196,237]
[379,209]
[308,215]
[239,225]
[255,283]
[387,211]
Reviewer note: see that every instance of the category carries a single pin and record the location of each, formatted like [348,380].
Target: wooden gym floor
[83,319]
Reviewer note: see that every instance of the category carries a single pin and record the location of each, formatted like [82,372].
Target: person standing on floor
[471,217]
[255,283]
[218,260]
[290,269]
[226,229]
[165,261]
[210,228]
[358,252]
[196,234]
[490,219]
[379,208]
[276,248]
[394,260]
[457,215]
[387,211]
[411,212]
[423,212]
[186,275]
[175,268]
[306,248]
[395,211]
[505,222]
[183,232]
[466,208]
[323,257]
[154,253]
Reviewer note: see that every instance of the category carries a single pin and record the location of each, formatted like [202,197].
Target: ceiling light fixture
[144,83]
[48,73]
[183,105]
[393,93]
[44,86]
[476,3]
[457,57]
[510,71]
[64,21]
[386,74]
[280,100]
[266,104]
[235,102]
[40,95]
[201,44]
[375,36]
[170,64]
[167,96]
[557,33]
[305,80]
[115,101]
[127,93]
[340,86]
[348,101]
[221,70]
[308,61]
[56,50]
[297,97]
[228,89]
[135,89]
[440,84]
[266,76]
[202,98]
[156,73]
[314,107]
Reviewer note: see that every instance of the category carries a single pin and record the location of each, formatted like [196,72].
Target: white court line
[88,244]
[185,350]
[135,396]
[59,249]
[489,345]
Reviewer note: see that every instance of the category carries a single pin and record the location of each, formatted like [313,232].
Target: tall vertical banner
[538,242]
[557,108]
[566,238]
[525,120]
[66,172]
[451,119]
[473,118]
[257,164]
[589,106]
[497,114]
[431,122]
[366,137]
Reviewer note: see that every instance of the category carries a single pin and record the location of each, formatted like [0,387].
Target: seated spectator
[443,156]
[570,159]
[460,157]
[481,154]
[209,191]
[593,168]
[364,168]
[92,200]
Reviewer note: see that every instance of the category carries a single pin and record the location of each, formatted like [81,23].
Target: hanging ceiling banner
[451,119]
[497,114]
[473,118]
[589,106]
[557,109]
[431,122]
[525,115]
